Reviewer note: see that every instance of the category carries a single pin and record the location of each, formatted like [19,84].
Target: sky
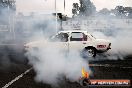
[48,6]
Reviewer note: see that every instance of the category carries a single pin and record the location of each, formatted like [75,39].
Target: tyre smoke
[121,44]
[52,61]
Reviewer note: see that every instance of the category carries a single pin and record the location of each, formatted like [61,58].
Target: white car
[77,40]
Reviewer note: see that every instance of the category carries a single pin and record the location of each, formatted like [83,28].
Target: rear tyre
[89,52]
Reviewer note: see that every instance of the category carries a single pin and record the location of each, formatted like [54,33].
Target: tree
[119,11]
[7,8]
[87,8]
[128,11]
[75,9]
[8,4]
[122,12]
[104,11]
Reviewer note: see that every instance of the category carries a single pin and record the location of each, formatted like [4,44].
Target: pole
[9,17]
[56,14]
[64,5]
[14,25]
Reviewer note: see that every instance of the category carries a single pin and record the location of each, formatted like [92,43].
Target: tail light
[101,46]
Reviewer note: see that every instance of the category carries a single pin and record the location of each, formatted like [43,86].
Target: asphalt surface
[21,75]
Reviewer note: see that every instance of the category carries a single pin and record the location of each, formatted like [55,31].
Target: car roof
[72,31]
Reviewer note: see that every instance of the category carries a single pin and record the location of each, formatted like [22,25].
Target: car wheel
[89,52]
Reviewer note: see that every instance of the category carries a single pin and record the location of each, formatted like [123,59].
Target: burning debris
[84,80]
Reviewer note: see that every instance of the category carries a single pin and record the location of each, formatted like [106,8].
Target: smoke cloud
[52,61]
[121,44]
[49,60]
[11,51]
[51,64]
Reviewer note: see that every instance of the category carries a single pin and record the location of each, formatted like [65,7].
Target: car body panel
[73,40]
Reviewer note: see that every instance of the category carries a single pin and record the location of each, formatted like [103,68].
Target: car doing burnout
[76,40]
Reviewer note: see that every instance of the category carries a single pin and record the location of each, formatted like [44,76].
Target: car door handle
[84,42]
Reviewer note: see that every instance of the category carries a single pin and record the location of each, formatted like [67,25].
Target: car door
[77,41]
[60,42]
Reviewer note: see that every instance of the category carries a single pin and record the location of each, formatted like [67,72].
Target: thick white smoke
[52,60]
[52,63]
[120,41]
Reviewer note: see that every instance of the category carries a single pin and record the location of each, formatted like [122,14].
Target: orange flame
[84,74]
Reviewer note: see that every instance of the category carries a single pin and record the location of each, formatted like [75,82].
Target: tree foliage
[7,7]
[104,11]
[86,8]
[8,4]
[118,12]
[122,12]
[75,9]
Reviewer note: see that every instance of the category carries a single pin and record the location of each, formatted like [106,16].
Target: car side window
[78,36]
[61,37]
